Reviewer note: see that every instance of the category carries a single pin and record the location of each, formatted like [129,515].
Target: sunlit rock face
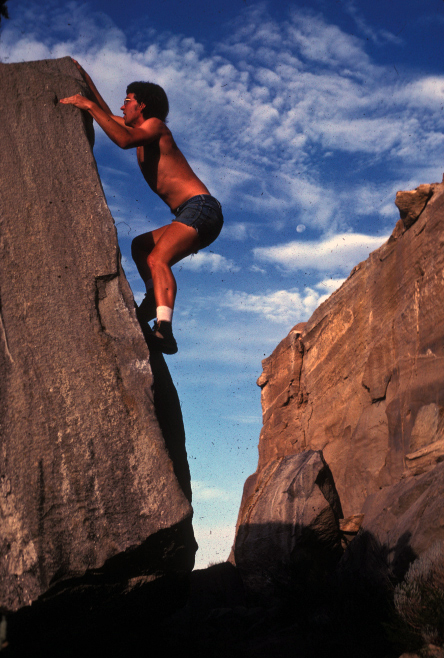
[363,382]
[87,481]
[363,379]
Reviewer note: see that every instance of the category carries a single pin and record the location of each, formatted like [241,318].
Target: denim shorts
[204,213]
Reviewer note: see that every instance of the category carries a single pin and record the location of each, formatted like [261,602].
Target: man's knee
[156,260]
[152,260]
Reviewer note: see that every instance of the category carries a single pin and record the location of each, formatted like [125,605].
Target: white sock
[164,313]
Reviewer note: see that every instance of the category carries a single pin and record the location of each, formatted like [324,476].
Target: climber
[198,216]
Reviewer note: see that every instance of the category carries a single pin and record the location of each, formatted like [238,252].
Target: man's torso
[167,172]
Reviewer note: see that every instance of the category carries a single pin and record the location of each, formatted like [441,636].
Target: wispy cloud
[207,491]
[377,36]
[209,262]
[264,99]
[240,231]
[336,254]
[281,305]
[329,285]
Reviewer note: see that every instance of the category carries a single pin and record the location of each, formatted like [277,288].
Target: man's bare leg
[154,254]
[141,247]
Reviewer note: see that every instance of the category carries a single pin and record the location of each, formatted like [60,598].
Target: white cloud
[326,44]
[209,262]
[205,491]
[259,101]
[339,253]
[245,420]
[364,135]
[238,231]
[378,36]
[427,91]
[329,285]
[256,268]
[281,306]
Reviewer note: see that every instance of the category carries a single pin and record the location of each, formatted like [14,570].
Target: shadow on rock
[344,611]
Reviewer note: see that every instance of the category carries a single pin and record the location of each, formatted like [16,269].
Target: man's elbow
[125,142]
[122,143]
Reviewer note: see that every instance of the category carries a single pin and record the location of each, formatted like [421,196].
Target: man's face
[132,110]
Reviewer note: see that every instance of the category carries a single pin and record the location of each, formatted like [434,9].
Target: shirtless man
[198,216]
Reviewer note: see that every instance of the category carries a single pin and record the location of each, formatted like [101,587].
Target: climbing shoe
[161,338]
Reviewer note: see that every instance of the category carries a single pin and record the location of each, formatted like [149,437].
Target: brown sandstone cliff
[363,382]
[87,481]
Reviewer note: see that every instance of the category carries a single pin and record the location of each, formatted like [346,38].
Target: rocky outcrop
[282,432]
[412,203]
[362,380]
[90,498]
[291,517]
[362,383]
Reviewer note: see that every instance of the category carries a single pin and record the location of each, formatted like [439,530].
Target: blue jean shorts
[204,213]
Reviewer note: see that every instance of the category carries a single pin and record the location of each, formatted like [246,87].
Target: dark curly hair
[154,97]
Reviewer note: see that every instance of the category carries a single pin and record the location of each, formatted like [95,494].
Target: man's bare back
[198,216]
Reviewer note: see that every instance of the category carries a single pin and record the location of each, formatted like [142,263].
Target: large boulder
[91,490]
[289,524]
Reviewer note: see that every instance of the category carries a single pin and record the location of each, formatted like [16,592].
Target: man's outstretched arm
[95,93]
[124,136]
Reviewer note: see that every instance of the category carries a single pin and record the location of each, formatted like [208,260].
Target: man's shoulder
[153,130]
[154,124]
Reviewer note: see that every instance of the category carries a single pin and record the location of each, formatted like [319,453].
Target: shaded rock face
[362,380]
[217,586]
[87,484]
[290,517]
[408,516]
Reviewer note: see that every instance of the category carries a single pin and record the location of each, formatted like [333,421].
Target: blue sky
[303,119]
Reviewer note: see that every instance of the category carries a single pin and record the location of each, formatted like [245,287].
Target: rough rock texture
[407,517]
[281,388]
[87,485]
[412,203]
[291,517]
[362,380]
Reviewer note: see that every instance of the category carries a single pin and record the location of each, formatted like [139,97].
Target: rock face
[87,483]
[408,516]
[282,432]
[290,517]
[362,380]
